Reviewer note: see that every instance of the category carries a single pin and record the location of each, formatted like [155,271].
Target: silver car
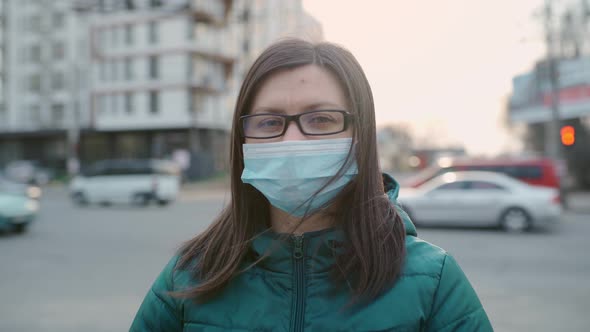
[481,199]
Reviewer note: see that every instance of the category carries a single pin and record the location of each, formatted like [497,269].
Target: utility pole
[553,147]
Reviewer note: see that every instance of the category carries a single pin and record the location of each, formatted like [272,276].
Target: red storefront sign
[575,94]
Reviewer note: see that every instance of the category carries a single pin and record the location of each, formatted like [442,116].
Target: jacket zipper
[299,284]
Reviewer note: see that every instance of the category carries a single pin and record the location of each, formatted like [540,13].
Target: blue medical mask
[289,173]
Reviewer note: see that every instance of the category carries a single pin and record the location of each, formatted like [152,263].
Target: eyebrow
[311,107]
[267,110]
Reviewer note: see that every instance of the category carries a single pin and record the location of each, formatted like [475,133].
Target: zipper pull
[298,252]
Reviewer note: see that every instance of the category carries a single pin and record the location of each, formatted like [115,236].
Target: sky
[443,68]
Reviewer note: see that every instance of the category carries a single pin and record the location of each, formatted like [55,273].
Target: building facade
[98,79]
[159,82]
[43,79]
[534,93]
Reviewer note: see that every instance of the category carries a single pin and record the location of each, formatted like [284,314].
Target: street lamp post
[553,145]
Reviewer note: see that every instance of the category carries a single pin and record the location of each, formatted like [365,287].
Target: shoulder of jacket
[173,278]
[423,258]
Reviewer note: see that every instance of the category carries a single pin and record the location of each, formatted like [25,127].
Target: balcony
[210,11]
[207,84]
[214,43]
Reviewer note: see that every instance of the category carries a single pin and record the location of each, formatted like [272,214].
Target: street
[87,269]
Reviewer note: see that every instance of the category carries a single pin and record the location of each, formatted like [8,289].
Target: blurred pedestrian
[313,239]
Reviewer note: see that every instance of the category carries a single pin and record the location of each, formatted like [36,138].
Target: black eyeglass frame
[347,116]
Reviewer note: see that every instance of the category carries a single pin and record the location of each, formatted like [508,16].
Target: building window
[128,69]
[153,67]
[58,20]
[153,32]
[35,113]
[154,102]
[102,71]
[35,83]
[58,50]
[57,113]
[155,3]
[190,29]
[114,71]
[114,104]
[34,23]
[57,81]
[128,102]
[114,37]
[191,101]
[101,102]
[35,54]
[128,34]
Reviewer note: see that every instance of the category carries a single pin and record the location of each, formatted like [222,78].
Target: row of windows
[57,81]
[126,35]
[116,70]
[126,103]
[57,113]
[36,23]
[57,52]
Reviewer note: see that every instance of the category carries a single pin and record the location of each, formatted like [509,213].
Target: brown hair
[374,250]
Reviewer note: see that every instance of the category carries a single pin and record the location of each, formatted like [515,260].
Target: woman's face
[300,90]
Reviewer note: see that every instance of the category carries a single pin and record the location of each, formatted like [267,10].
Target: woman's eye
[321,119]
[270,123]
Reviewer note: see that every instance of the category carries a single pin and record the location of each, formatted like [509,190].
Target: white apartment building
[159,80]
[103,79]
[3,112]
[43,67]
[166,74]
[261,22]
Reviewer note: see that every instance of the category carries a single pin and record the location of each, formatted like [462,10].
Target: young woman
[312,239]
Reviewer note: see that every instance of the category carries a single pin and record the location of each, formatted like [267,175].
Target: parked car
[535,171]
[27,171]
[138,182]
[29,190]
[476,198]
[16,212]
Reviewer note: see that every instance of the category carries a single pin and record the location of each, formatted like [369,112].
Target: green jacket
[291,291]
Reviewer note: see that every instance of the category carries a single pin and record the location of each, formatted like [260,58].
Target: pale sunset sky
[442,67]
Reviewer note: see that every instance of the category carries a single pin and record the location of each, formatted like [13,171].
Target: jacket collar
[319,248]
[392,190]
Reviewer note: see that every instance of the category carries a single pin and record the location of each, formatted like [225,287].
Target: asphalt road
[87,269]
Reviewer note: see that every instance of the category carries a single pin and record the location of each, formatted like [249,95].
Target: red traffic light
[568,135]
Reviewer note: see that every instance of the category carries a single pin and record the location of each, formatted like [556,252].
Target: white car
[27,171]
[484,199]
[137,182]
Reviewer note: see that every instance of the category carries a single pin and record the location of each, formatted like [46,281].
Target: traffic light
[568,135]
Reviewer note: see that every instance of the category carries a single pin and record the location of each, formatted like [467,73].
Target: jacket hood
[392,190]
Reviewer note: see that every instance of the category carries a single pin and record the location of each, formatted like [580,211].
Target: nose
[293,133]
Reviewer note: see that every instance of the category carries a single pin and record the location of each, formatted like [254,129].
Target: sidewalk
[218,187]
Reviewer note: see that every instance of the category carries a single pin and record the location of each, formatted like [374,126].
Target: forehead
[299,89]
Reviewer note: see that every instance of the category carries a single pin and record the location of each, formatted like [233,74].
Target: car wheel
[140,199]
[80,199]
[20,228]
[163,202]
[515,220]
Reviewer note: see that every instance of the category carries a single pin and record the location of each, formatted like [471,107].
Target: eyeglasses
[314,123]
